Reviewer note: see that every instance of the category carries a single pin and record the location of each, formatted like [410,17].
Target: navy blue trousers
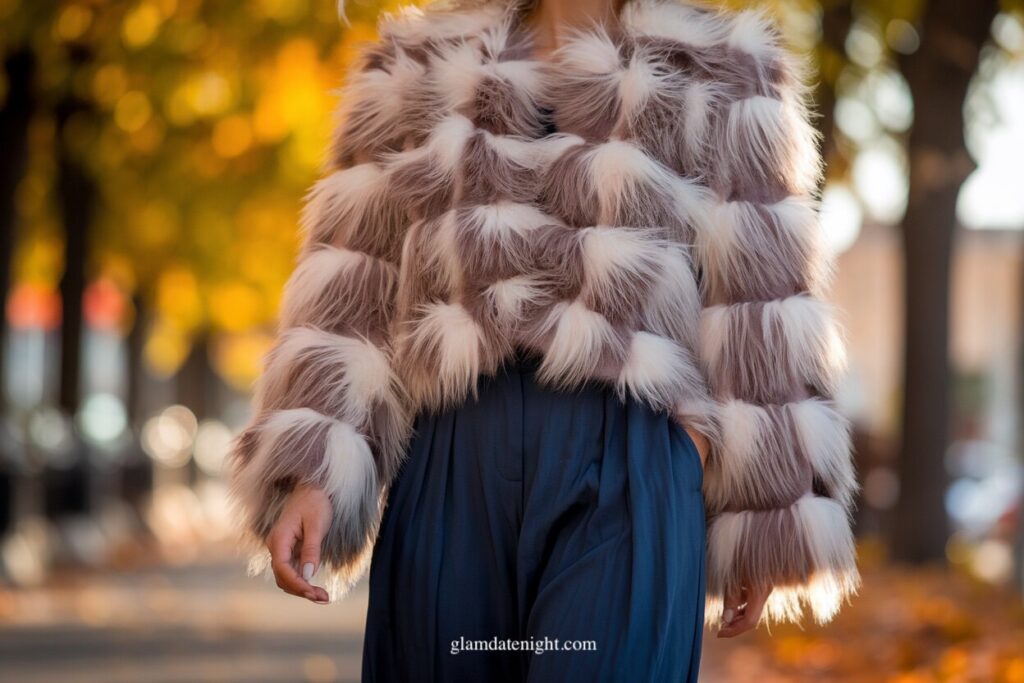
[533,515]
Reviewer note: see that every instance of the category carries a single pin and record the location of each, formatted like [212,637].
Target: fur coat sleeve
[780,484]
[328,408]
[666,241]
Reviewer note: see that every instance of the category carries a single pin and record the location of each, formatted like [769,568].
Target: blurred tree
[939,74]
[935,45]
[76,192]
[836,20]
[77,197]
[15,116]
[199,125]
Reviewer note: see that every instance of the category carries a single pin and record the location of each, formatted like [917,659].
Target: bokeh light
[169,436]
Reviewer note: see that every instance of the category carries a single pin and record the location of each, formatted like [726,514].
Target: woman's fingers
[313,530]
[731,608]
[295,541]
[281,543]
[742,611]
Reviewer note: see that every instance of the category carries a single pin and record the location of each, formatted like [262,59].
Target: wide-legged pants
[527,515]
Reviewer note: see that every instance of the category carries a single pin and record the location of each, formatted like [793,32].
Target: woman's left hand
[701,442]
[742,611]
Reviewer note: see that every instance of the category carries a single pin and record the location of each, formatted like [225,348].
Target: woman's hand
[742,611]
[701,442]
[294,542]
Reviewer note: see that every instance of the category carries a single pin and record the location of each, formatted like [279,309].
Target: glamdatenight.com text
[536,645]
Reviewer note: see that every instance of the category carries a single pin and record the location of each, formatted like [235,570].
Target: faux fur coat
[665,240]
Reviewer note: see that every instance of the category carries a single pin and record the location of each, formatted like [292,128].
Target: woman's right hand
[294,542]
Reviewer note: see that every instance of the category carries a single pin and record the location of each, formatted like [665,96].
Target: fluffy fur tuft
[674,299]
[377,109]
[769,351]
[771,150]
[751,250]
[440,353]
[352,208]
[805,551]
[769,456]
[689,25]
[657,370]
[330,289]
[511,298]
[824,437]
[349,375]
[580,341]
[621,266]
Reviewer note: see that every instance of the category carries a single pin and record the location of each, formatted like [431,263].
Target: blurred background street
[204,620]
[153,159]
[201,621]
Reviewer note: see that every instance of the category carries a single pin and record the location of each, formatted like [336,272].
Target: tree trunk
[196,380]
[77,199]
[136,343]
[68,491]
[15,117]
[137,469]
[836,19]
[938,74]
[197,387]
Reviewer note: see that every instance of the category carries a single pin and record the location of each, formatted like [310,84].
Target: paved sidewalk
[176,625]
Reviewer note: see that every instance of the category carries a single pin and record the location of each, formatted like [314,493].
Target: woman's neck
[553,20]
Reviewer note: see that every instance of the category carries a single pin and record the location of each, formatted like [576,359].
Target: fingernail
[728,615]
[307,571]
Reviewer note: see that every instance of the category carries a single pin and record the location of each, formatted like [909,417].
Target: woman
[568,252]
